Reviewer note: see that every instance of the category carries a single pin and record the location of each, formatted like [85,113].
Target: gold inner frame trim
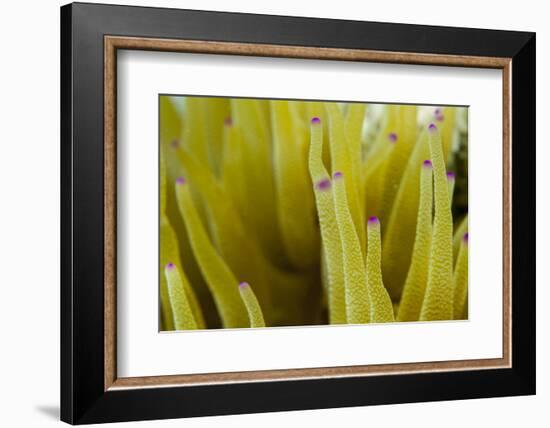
[113,43]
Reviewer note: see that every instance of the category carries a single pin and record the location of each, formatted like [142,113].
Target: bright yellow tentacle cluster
[299,232]
[218,276]
[322,212]
[331,243]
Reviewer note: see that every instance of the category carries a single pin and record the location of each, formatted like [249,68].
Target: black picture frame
[83,396]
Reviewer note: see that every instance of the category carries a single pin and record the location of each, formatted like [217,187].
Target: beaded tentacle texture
[281,213]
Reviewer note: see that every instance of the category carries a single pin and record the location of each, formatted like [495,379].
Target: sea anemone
[285,213]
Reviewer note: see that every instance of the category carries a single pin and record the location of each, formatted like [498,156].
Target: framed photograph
[266,213]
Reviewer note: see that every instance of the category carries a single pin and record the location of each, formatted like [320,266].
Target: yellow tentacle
[253,308]
[355,276]
[415,285]
[183,315]
[381,308]
[438,299]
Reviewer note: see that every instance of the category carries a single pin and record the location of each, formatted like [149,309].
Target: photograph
[269,210]
[283,212]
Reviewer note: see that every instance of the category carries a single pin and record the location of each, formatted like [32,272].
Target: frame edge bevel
[66,305]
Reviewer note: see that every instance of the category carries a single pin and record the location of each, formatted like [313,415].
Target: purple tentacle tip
[315,121]
[450,175]
[323,184]
[373,220]
[392,137]
[437,111]
[175,143]
[180,180]
[337,175]
[440,117]
[465,238]
[243,284]
[427,163]
[432,127]
[228,121]
[170,266]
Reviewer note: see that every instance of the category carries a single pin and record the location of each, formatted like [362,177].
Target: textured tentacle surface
[461,281]
[381,308]
[332,245]
[415,285]
[438,299]
[255,314]
[355,276]
[183,314]
[400,232]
